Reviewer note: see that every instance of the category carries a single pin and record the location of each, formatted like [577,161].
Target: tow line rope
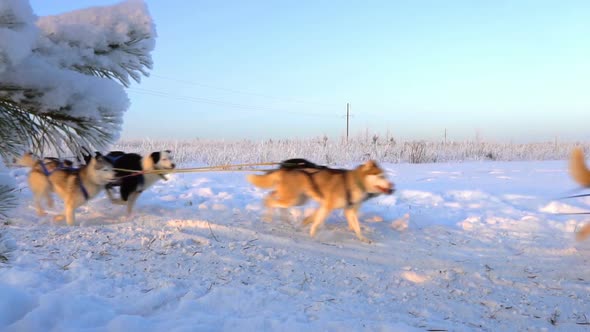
[570,197]
[219,168]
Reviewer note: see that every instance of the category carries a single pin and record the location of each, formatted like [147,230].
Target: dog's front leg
[112,198]
[69,212]
[38,205]
[353,223]
[319,217]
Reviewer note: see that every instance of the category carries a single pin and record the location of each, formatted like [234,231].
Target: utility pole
[347,117]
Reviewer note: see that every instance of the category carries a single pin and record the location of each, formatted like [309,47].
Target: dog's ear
[86,155]
[155,157]
[100,161]
[370,166]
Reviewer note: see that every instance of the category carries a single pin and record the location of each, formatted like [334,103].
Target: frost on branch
[62,77]
[113,42]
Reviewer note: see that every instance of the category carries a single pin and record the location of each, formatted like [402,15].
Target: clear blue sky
[503,70]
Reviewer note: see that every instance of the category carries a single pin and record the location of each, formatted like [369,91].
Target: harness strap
[112,159]
[60,166]
[349,202]
[45,170]
[314,184]
[361,186]
[82,188]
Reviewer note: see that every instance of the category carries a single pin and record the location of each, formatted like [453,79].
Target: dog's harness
[60,166]
[112,159]
[299,164]
[314,184]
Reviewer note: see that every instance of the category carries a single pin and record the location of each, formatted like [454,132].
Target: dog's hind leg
[273,200]
[41,189]
[318,220]
[353,223]
[131,201]
[38,206]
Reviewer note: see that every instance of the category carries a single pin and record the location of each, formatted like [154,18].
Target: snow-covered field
[459,247]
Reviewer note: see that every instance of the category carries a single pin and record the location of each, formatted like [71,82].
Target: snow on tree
[62,77]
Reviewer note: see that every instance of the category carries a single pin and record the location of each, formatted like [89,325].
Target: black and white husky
[133,174]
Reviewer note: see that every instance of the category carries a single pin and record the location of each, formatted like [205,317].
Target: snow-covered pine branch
[56,74]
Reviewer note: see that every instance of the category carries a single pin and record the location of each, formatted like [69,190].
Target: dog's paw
[312,231]
[365,240]
[59,217]
[308,220]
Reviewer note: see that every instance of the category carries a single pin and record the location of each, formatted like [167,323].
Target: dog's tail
[27,160]
[266,181]
[583,233]
[578,169]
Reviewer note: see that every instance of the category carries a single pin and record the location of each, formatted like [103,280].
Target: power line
[290,100]
[215,102]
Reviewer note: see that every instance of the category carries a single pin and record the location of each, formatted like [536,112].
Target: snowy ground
[459,247]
